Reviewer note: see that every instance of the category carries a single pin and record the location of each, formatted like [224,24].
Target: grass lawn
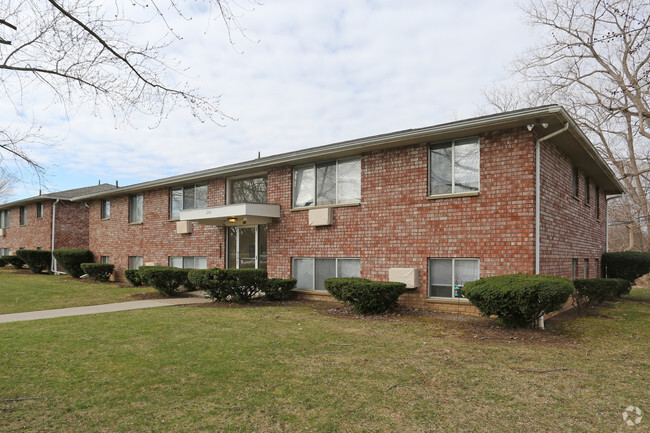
[298,368]
[22,291]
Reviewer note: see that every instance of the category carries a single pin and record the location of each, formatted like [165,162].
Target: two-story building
[47,221]
[523,191]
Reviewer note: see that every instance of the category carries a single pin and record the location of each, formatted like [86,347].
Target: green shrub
[98,271]
[245,283]
[279,289]
[518,300]
[14,261]
[601,289]
[133,277]
[3,261]
[628,265]
[215,282]
[36,260]
[71,260]
[365,296]
[165,279]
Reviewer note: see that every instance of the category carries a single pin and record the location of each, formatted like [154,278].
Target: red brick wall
[569,228]
[71,228]
[35,233]
[155,239]
[397,226]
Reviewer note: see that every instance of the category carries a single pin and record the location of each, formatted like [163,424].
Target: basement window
[188,262]
[447,274]
[311,273]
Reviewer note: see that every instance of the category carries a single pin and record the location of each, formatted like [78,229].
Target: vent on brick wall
[183,227]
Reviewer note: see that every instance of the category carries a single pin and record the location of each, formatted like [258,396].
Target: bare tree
[594,60]
[86,52]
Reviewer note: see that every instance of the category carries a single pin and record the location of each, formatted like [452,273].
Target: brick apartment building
[46,222]
[523,191]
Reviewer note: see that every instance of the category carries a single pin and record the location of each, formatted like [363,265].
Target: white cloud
[311,73]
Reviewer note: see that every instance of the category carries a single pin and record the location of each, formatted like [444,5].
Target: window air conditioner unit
[183,227]
[320,217]
[408,276]
[3,233]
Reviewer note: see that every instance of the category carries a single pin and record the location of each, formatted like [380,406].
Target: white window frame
[182,258]
[314,167]
[574,269]
[5,251]
[453,274]
[104,259]
[5,218]
[132,259]
[245,177]
[313,269]
[40,208]
[452,143]
[22,215]
[105,209]
[257,245]
[131,217]
[182,188]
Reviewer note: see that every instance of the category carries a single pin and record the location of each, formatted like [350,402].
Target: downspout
[53,263]
[538,201]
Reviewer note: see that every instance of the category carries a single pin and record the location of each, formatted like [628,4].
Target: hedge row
[98,271]
[71,260]
[601,289]
[628,265]
[518,300]
[165,279]
[36,260]
[14,261]
[365,296]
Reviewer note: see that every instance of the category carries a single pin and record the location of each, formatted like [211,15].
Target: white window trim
[169,260]
[313,269]
[453,275]
[182,188]
[336,184]
[453,193]
[131,196]
[257,246]
[247,176]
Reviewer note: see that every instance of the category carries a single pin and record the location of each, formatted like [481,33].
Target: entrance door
[247,247]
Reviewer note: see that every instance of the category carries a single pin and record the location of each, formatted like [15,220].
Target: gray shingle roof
[68,194]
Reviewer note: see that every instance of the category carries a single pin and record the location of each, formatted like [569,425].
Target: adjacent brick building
[523,191]
[48,221]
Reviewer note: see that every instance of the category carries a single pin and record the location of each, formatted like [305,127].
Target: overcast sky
[306,74]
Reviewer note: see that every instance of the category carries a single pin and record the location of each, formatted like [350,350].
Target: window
[39,209]
[586,268]
[311,273]
[587,190]
[106,209]
[329,183]
[575,182]
[39,248]
[136,202]
[4,251]
[249,190]
[104,259]
[454,167]
[189,262]
[5,218]
[187,197]
[574,269]
[135,262]
[447,274]
[597,203]
[596,268]
[23,215]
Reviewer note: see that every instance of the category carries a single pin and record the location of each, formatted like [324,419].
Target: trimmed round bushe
[98,271]
[71,259]
[365,296]
[36,260]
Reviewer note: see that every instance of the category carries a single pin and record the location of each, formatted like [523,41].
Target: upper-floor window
[597,202]
[247,190]
[5,218]
[106,209]
[587,197]
[575,183]
[23,215]
[136,205]
[454,167]
[39,209]
[328,183]
[187,197]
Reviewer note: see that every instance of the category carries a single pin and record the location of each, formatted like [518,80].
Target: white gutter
[538,212]
[53,263]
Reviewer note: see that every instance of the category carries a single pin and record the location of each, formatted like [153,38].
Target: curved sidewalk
[102,308]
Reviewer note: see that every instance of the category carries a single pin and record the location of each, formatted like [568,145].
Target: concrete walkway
[97,309]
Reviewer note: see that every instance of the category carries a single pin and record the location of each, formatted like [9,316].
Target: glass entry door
[247,247]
